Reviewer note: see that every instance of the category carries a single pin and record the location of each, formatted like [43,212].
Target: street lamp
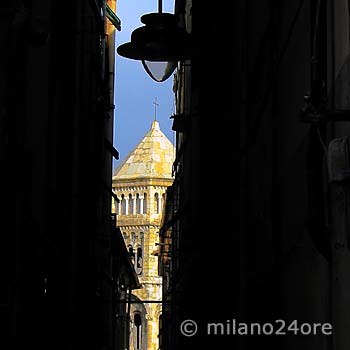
[159,44]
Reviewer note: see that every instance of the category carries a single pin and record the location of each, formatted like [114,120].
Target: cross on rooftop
[155,108]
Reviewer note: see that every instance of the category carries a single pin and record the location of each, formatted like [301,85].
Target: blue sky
[135,91]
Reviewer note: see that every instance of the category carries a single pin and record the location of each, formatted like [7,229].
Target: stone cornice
[141,182]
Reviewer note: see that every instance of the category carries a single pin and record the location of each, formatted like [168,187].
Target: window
[144,203]
[156,203]
[139,261]
[138,322]
[136,258]
[163,201]
[138,204]
[123,205]
[130,205]
[131,254]
[116,206]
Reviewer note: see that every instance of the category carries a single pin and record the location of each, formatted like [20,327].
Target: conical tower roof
[153,157]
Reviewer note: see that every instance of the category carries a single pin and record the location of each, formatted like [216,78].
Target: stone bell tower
[140,183]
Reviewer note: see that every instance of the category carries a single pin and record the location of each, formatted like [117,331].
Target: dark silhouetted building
[61,272]
[256,228]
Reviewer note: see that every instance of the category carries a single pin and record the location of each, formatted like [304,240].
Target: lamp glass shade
[159,71]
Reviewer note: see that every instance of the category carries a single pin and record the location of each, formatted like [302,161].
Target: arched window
[139,261]
[138,204]
[144,203]
[130,204]
[131,254]
[123,205]
[138,335]
[116,206]
[156,203]
[163,201]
